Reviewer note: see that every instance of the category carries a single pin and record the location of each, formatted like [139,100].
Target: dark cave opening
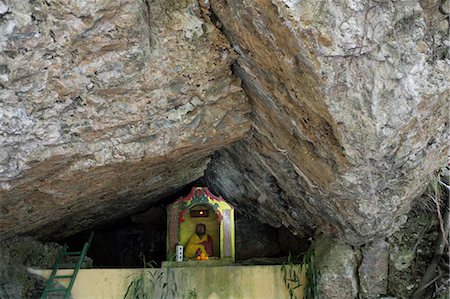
[134,240]
[131,241]
[122,244]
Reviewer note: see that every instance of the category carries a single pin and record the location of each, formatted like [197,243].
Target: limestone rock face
[105,105]
[254,240]
[374,268]
[351,111]
[337,266]
[18,254]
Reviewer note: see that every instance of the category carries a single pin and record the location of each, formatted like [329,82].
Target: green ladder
[54,277]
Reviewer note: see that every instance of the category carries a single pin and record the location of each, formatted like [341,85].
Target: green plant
[435,279]
[169,288]
[149,283]
[192,294]
[312,275]
[292,275]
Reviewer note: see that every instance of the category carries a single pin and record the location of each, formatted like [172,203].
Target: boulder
[373,271]
[18,254]
[337,264]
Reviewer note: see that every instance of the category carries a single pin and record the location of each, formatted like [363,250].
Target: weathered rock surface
[255,240]
[15,256]
[337,264]
[411,250]
[373,271]
[105,105]
[351,111]
[108,105]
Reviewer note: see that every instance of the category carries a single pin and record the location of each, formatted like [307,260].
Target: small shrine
[201,226]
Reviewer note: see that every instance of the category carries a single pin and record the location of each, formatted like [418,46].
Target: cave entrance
[128,241]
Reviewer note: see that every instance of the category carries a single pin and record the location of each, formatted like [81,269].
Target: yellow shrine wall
[187,228]
[231,282]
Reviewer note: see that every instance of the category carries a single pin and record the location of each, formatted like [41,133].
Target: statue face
[200,229]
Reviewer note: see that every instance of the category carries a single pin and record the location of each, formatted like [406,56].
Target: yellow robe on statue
[194,244]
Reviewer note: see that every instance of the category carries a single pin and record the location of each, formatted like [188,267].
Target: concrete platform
[210,282]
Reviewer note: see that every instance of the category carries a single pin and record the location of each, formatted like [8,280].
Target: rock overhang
[350,112]
[329,149]
[107,106]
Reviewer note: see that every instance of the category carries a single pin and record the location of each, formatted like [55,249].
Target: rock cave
[324,123]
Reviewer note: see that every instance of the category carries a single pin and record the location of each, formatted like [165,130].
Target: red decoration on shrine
[212,196]
[181,216]
[199,192]
[219,217]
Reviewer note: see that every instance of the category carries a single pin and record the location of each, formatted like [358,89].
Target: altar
[200,208]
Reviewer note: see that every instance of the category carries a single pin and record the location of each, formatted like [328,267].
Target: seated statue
[199,243]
